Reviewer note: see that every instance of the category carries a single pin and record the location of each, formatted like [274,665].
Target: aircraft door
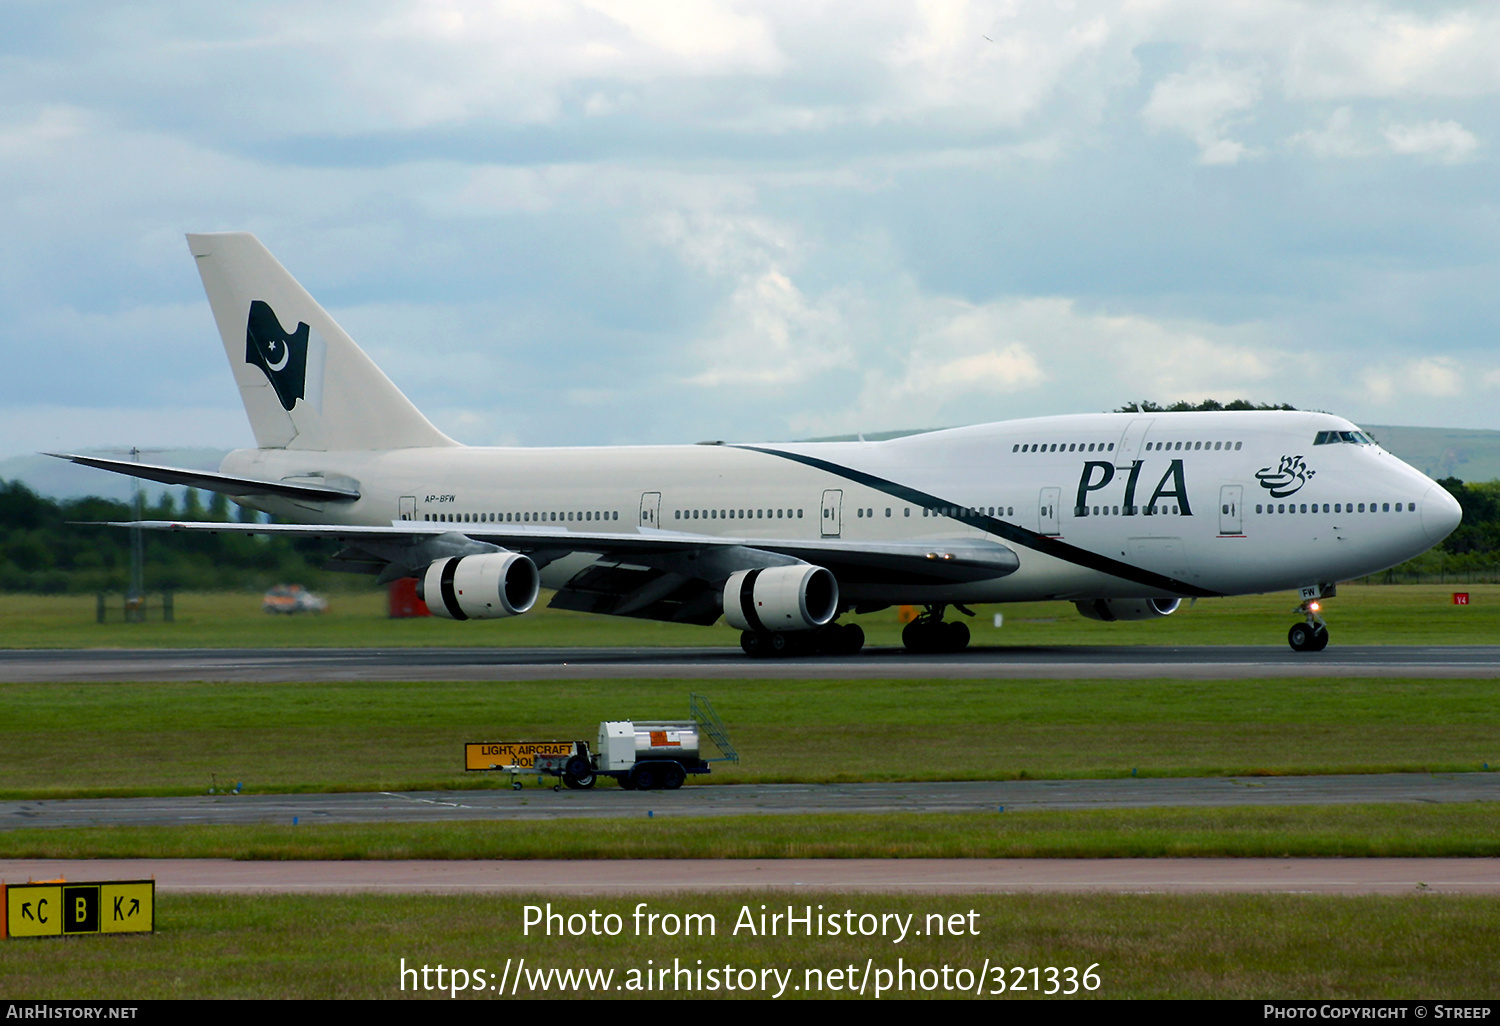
[1047,506]
[1131,440]
[650,509]
[408,508]
[1231,511]
[833,503]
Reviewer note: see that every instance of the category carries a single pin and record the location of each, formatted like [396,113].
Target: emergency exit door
[1047,510]
[833,503]
[1231,512]
[651,509]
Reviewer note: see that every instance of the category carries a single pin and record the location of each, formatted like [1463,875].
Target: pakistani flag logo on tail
[282,356]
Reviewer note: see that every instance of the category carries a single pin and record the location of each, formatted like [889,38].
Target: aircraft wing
[655,574]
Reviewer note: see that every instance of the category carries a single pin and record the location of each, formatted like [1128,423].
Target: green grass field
[1360,615]
[1138,946]
[155,738]
[61,740]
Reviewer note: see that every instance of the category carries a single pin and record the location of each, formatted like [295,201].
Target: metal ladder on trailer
[709,724]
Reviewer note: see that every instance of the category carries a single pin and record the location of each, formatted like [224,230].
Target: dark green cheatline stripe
[1000,528]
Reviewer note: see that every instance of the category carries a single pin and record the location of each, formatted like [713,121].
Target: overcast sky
[598,222]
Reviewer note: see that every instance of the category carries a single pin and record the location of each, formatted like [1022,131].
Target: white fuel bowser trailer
[647,755]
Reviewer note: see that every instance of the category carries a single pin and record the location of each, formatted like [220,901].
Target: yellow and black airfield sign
[56,908]
[488,755]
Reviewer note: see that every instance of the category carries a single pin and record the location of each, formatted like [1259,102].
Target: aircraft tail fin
[304,382]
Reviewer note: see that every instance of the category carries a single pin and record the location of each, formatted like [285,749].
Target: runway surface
[931,876]
[534,802]
[511,664]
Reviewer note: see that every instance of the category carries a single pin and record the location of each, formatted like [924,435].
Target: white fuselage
[1226,503]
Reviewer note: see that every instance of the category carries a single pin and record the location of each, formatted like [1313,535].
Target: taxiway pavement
[633,877]
[1205,662]
[536,802]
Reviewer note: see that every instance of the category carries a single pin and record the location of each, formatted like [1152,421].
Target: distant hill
[1444,452]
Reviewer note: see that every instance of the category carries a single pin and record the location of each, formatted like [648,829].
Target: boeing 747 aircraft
[1124,515]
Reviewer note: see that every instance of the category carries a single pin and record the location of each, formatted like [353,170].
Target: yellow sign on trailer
[490,755]
[56,908]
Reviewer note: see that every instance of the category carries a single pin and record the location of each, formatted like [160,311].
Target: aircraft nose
[1441,513]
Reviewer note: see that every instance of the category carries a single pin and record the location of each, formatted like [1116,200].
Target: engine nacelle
[781,598]
[1128,609]
[483,587]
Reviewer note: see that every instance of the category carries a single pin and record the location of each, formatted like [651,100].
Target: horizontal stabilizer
[209,481]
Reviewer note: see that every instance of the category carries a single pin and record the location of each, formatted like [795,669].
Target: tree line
[53,546]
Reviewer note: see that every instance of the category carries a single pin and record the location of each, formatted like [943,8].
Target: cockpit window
[1338,437]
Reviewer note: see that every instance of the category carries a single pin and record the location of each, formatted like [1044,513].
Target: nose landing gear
[1312,635]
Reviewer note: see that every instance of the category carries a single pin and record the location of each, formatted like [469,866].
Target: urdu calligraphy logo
[281,355]
[1287,479]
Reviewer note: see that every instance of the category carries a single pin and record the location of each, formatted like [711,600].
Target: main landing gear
[1312,634]
[928,632]
[832,639]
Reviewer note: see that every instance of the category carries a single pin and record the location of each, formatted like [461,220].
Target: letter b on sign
[80,910]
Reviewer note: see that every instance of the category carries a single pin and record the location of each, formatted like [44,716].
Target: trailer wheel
[582,783]
[645,778]
[672,777]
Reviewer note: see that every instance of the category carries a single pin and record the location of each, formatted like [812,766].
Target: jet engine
[1128,609]
[781,598]
[482,587]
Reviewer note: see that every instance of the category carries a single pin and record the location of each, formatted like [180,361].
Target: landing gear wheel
[1307,637]
[841,639]
[854,639]
[955,637]
[755,644]
[935,636]
[645,778]
[789,642]
[672,778]
[917,637]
